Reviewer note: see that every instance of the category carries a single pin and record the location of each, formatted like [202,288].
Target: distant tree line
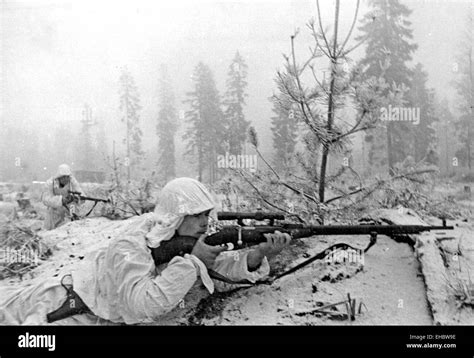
[306,124]
[215,124]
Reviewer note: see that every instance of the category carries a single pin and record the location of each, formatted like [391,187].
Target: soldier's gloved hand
[206,253]
[67,199]
[275,243]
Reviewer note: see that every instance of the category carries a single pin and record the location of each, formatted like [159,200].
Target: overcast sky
[58,55]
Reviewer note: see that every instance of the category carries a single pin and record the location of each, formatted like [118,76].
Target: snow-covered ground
[388,280]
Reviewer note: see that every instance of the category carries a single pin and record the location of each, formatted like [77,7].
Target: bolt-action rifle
[239,235]
[78,196]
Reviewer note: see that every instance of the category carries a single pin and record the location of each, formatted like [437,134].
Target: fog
[59,55]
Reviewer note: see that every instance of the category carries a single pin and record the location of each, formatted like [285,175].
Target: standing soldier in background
[57,198]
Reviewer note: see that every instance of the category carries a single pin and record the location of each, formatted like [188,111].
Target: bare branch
[356,174]
[128,203]
[318,45]
[297,177]
[268,165]
[311,58]
[323,34]
[354,129]
[355,46]
[317,81]
[302,101]
[352,29]
[379,183]
[297,100]
[297,191]
[268,202]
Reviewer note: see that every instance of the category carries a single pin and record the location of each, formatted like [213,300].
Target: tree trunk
[200,161]
[128,144]
[390,158]
[469,147]
[324,159]
[210,166]
[469,129]
[447,148]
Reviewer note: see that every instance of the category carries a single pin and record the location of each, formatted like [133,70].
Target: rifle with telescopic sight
[239,235]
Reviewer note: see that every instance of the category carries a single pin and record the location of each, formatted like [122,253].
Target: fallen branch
[270,203]
[374,186]
[285,184]
[128,203]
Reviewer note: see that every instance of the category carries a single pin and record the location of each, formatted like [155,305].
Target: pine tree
[464,85]
[318,103]
[102,148]
[85,149]
[446,135]
[130,106]
[234,101]
[166,127]
[423,133]
[206,131]
[284,130]
[387,32]
[61,145]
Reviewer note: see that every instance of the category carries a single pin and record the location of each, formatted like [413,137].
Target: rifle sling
[319,256]
[93,206]
[217,276]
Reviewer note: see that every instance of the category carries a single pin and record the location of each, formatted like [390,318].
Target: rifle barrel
[362,229]
[80,196]
[229,215]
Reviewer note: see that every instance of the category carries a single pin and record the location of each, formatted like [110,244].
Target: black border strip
[383,339]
